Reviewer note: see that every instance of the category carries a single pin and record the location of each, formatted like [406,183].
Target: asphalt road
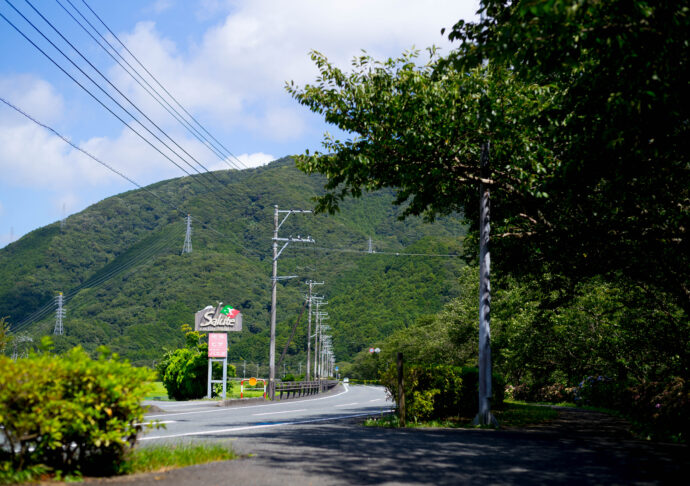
[580,447]
[206,420]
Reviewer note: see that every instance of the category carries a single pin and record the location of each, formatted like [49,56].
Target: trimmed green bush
[70,413]
[184,371]
[440,391]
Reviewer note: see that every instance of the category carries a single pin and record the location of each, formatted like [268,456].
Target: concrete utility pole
[276,255]
[311,285]
[59,315]
[187,247]
[484,416]
[319,302]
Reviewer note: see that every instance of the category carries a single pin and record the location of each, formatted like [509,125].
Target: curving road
[205,419]
[321,442]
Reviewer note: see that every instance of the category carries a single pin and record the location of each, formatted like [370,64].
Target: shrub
[661,408]
[440,391]
[70,413]
[185,376]
[553,393]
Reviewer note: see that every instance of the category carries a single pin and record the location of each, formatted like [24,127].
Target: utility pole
[59,314]
[484,416]
[371,246]
[311,285]
[244,368]
[319,302]
[187,247]
[276,255]
[62,221]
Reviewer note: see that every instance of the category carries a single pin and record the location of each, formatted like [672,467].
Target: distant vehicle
[346,380]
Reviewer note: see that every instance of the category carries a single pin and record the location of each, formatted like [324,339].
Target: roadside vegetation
[67,416]
[511,414]
[572,115]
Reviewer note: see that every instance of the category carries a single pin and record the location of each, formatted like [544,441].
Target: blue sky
[226,61]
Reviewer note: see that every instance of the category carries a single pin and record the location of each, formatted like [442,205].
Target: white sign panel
[219,319]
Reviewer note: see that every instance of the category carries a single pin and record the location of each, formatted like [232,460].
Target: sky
[225,61]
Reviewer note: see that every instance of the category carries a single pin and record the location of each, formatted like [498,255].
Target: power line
[367,252]
[97,85]
[109,167]
[155,79]
[105,78]
[150,90]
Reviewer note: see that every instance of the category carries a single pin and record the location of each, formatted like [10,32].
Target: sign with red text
[217,345]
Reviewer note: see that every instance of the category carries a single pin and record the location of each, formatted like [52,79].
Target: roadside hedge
[440,391]
[69,413]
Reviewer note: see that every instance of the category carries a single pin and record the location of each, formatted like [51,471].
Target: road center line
[262,426]
[284,411]
[229,409]
[346,404]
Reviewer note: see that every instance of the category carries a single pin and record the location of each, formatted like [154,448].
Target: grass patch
[166,457]
[158,392]
[514,414]
[233,391]
[156,458]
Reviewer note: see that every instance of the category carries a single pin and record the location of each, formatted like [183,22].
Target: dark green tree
[619,202]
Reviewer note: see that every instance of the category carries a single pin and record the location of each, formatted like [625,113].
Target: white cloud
[160,6]
[256,160]
[236,73]
[34,95]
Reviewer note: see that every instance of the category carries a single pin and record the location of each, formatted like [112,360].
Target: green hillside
[127,285]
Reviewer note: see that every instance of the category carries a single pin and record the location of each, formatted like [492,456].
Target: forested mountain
[127,285]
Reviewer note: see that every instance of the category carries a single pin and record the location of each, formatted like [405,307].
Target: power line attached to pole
[276,255]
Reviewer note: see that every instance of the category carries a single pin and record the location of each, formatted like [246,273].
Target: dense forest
[127,285]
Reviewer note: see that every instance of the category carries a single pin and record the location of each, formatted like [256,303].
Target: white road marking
[229,409]
[263,426]
[158,422]
[284,411]
[346,404]
[376,400]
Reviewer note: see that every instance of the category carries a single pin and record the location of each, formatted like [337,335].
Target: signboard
[217,345]
[219,319]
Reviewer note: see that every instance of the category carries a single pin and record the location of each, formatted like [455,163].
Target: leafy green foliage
[135,240]
[70,413]
[618,125]
[5,336]
[439,391]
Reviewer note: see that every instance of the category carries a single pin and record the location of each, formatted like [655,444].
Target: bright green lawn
[233,391]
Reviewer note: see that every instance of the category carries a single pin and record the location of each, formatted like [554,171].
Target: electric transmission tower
[59,315]
[62,221]
[187,248]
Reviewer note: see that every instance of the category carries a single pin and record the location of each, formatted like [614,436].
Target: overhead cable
[155,79]
[139,79]
[100,88]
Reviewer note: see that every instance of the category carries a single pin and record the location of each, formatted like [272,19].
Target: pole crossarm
[274,281]
[289,212]
[289,240]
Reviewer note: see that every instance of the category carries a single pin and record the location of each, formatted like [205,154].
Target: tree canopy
[584,104]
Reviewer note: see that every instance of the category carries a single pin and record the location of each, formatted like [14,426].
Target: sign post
[218,322]
[218,353]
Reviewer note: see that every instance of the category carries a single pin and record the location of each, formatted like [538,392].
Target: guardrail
[303,388]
